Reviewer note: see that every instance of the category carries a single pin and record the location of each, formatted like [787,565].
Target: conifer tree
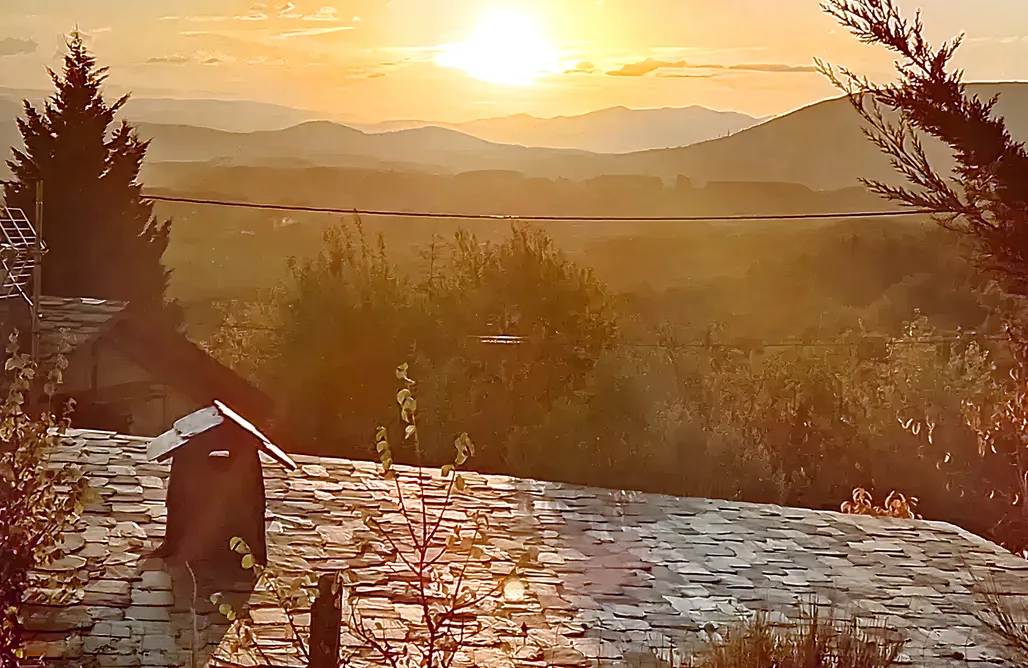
[103,239]
[986,195]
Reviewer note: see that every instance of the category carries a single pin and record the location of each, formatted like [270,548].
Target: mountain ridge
[819,146]
[613,130]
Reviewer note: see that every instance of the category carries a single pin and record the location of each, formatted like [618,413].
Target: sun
[506,47]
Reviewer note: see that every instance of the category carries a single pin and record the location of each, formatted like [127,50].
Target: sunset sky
[453,60]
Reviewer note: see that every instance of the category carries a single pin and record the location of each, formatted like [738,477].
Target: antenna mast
[21,252]
[37,271]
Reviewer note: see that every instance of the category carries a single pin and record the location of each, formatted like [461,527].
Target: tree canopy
[103,239]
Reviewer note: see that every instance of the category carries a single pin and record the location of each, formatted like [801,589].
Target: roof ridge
[100,433]
[90,301]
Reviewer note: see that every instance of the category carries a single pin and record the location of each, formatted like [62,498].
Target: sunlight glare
[506,47]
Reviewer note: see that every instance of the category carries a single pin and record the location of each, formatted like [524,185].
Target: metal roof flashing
[205,419]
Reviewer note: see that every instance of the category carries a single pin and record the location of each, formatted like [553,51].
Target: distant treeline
[500,192]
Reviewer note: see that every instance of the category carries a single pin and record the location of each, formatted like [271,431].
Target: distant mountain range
[614,130]
[231,115]
[820,146]
[431,149]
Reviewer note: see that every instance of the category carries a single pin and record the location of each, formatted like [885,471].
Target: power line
[299,208]
[738,344]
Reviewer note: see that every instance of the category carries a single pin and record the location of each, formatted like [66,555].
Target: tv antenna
[21,255]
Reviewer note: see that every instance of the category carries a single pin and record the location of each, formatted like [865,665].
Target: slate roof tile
[615,570]
[79,319]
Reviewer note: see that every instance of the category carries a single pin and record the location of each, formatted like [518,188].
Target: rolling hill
[614,130]
[332,144]
[820,146]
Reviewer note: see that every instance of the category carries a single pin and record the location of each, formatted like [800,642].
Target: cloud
[196,58]
[667,74]
[311,32]
[644,67]
[660,67]
[12,46]
[771,67]
[92,32]
[324,14]
[261,11]
[265,60]
[251,15]
[176,59]
[583,67]
[287,10]
[205,19]
[997,39]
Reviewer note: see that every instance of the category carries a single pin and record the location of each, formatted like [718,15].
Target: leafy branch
[39,500]
[433,558]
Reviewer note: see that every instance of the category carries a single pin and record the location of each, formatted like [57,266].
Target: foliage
[524,287]
[432,554]
[818,641]
[341,323]
[1003,443]
[38,502]
[797,424]
[988,199]
[896,505]
[802,425]
[348,312]
[987,202]
[243,337]
[102,238]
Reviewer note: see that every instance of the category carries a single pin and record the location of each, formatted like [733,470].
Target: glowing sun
[505,48]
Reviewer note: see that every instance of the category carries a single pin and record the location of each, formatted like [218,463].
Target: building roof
[155,346]
[170,356]
[81,318]
[615,570]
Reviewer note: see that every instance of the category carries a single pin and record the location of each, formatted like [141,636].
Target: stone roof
[615,570]
[81,318]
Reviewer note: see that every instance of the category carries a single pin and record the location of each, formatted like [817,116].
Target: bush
[816,642]
[38,502]
[345,315]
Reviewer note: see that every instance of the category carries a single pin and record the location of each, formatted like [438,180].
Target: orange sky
[380,59]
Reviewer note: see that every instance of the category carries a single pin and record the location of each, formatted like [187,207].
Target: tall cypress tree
[104,241]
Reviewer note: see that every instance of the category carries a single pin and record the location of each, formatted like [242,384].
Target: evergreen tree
[103,239]
[986,196]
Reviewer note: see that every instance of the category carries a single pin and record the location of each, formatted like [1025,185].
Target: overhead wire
[509,340]
[741,343]
[303,208]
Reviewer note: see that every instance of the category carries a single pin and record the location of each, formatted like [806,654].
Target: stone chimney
[216,489]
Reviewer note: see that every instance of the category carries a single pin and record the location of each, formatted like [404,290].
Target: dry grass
[1006,614]
[819,642]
